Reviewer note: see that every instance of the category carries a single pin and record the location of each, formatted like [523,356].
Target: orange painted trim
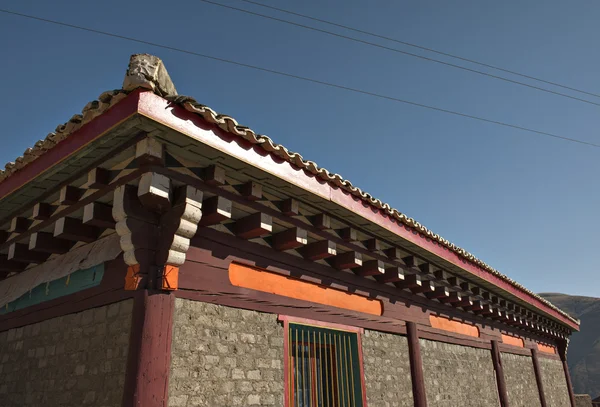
[261,280]
[546,348]
[132,278]
[170,278]
[453,326]
[513,340]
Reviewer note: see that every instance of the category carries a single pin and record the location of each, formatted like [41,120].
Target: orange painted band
[546,348]
[261,280]
[513,340]
[170,278]
[453,326]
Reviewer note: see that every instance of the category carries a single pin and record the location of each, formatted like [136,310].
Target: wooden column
[569,384]
[562,350]
[497,360]
[416,365]
[149,358]
[538,376]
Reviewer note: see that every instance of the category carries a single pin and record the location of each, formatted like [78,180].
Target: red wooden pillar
[149,358]
[538,376]
[497,360]
[416,365]
[562,350]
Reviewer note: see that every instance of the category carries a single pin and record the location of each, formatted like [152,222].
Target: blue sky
[525,204]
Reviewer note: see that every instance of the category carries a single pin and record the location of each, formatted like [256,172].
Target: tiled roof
[91,110]
[146,73]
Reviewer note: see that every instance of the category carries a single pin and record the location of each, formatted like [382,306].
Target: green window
[323,367]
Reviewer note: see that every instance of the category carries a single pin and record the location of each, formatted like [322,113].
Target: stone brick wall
[224,356]
[387,370]
[73,360]
[458,375]
[521,385]
[555,383]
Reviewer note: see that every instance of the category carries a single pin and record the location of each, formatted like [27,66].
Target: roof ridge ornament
[148,71]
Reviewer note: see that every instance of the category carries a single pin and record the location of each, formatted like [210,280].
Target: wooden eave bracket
[177,227]
[155,223]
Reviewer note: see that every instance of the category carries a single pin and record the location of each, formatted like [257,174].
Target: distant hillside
[584,348]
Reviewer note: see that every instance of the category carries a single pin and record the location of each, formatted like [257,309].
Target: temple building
[156,253]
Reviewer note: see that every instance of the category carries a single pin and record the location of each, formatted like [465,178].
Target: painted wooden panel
[75,282]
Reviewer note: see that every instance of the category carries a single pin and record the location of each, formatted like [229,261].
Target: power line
[303,78]
[346,27]
[437,61]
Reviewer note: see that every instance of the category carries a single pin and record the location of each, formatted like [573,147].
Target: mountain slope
[584,348]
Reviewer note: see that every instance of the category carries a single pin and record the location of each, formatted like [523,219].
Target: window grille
[323,367]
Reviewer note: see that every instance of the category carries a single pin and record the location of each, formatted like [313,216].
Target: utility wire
[437,61]
[372,34]
[304,78]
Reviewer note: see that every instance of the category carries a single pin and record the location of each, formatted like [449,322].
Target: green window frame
[323,365]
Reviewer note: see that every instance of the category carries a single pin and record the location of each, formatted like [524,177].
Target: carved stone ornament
[148,71]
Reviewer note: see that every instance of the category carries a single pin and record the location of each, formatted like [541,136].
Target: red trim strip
[191,124]
[286,361]
[362,368]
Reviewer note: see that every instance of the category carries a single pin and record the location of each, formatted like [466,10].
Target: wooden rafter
[215,210]
[45,242]
[320,225]
[99,215]
[289,239]
[256,225]
[319,250]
